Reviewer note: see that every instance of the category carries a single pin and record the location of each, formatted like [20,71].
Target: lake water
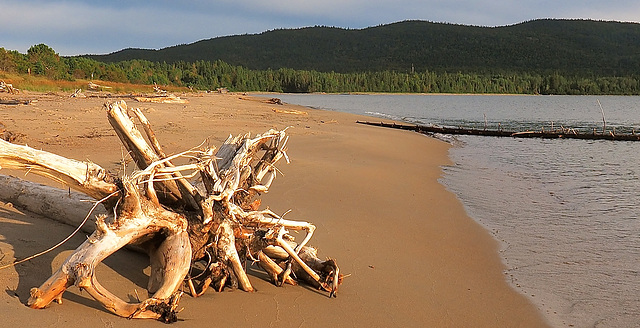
[565,211]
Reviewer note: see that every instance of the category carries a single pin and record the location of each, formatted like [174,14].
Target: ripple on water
[565,211]
[568,220]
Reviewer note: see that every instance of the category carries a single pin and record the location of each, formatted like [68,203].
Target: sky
[77,27]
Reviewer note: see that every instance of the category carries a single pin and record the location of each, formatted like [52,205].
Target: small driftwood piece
[275,101]
[199,220]
[96,87]
[8,135]
[78,94]
[162,98]
[8,88]
[289,111]
[158,90]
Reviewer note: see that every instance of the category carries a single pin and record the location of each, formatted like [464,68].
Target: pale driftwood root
[137,219]
[178,221]
[8,88]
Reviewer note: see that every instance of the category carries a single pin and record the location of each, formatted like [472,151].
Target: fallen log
[161,99]
[96,87]
[204,211]
[562,133]
[65,206]
[14,102]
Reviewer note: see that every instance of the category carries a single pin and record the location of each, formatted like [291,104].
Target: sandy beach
[414,257]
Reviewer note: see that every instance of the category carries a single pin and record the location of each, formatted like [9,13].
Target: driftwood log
[195,213]
[161,98]
[96,87]
[559,133]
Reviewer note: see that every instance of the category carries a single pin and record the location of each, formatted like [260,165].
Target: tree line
[566,46]
[42,60]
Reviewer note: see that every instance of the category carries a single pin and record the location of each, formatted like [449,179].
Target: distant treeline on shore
[42,60]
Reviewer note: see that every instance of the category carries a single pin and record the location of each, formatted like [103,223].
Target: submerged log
[563,133]
[182,214]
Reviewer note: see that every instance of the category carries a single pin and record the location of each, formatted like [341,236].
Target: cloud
[69,27]
[625,11]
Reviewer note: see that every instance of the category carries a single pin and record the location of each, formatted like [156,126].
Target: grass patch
[43,84]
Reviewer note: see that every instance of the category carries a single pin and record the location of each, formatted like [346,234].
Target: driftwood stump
[203,212]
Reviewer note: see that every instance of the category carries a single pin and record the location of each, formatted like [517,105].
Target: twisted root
[178,221]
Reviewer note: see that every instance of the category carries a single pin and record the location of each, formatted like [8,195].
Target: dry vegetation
[44,84]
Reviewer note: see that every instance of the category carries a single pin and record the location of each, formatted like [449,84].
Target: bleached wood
[160,209]
[83,176]
[65,206]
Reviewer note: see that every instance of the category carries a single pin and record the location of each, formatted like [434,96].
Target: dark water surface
[564,211]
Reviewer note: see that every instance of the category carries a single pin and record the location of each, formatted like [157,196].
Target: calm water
[564,211]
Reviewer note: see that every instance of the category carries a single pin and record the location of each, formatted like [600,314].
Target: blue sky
[73,27]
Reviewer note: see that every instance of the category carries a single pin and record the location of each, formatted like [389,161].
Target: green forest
[546,45]
[42,60]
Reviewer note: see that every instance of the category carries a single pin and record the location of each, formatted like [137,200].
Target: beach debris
[96,87]
[15,101]
[161,99]
[7,87]
[158,90]
[289,111]
[78,94]
[9,136]
[195,212]
[275,101]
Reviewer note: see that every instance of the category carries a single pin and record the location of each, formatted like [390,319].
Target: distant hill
[569,46]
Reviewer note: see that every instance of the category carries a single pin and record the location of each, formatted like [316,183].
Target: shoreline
[258,93]
[415,257]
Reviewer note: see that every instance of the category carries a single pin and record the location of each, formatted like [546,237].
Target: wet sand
[414,257]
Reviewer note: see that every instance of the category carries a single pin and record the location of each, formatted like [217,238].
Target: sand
[414,256]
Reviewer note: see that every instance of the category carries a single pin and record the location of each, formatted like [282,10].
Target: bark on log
[179,224]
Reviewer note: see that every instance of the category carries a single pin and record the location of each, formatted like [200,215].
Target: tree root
[203,213]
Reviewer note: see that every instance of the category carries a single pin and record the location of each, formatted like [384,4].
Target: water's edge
[547,310]
[563,211]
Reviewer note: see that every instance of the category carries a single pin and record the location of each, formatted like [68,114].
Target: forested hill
[567,46]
